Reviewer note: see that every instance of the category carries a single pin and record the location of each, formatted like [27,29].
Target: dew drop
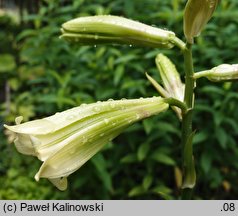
[84,139]
[137,116]
[112,105]
[70,117]
[95,46]
[96,37]
[96,109]
[129,121]
[106,121]
[83,105]
[130,45]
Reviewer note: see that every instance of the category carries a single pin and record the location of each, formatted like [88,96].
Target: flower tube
[67,140]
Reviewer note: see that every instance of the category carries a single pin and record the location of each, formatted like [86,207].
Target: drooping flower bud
[170,77]
[173,86]
[223,72]
[108,29]
[67,140]
[196,15]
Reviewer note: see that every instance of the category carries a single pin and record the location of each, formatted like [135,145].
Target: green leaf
[148,125]
[206,160]
[101,165]
[166,127]
[200,137]
[130,158]
[147,181]
[221,136]
[163,158]
[143,151]
[136,191]
[163,191]
[7,63]
[118,74]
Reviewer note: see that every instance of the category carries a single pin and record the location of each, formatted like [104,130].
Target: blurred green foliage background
[41,74]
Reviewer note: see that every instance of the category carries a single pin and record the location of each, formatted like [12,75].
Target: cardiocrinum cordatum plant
[66,140]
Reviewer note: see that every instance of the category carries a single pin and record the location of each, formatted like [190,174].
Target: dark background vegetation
[41,74]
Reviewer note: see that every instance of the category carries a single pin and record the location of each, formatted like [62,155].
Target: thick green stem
[187,124]
[179,43]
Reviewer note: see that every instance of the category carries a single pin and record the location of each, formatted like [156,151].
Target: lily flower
[108,29]
[67,140]
[172,84]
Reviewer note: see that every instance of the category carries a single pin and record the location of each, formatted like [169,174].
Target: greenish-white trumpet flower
[67,140]
[108,29]
[223,72]
[173,86]
[196,15]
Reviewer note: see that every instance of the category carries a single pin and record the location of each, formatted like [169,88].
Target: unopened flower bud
[223,72]
[107,29]
[172,84]
[170,77]
[196,15]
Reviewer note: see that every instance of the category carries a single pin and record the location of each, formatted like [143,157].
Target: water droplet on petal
[96,109]
[70,117]
[83,105]
[84,139]
[137,116]
[129,121]
[112,105]
[106,121]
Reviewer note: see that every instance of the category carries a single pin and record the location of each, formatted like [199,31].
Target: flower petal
[78,150]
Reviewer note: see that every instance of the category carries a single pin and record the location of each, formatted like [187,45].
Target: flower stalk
[189,176]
